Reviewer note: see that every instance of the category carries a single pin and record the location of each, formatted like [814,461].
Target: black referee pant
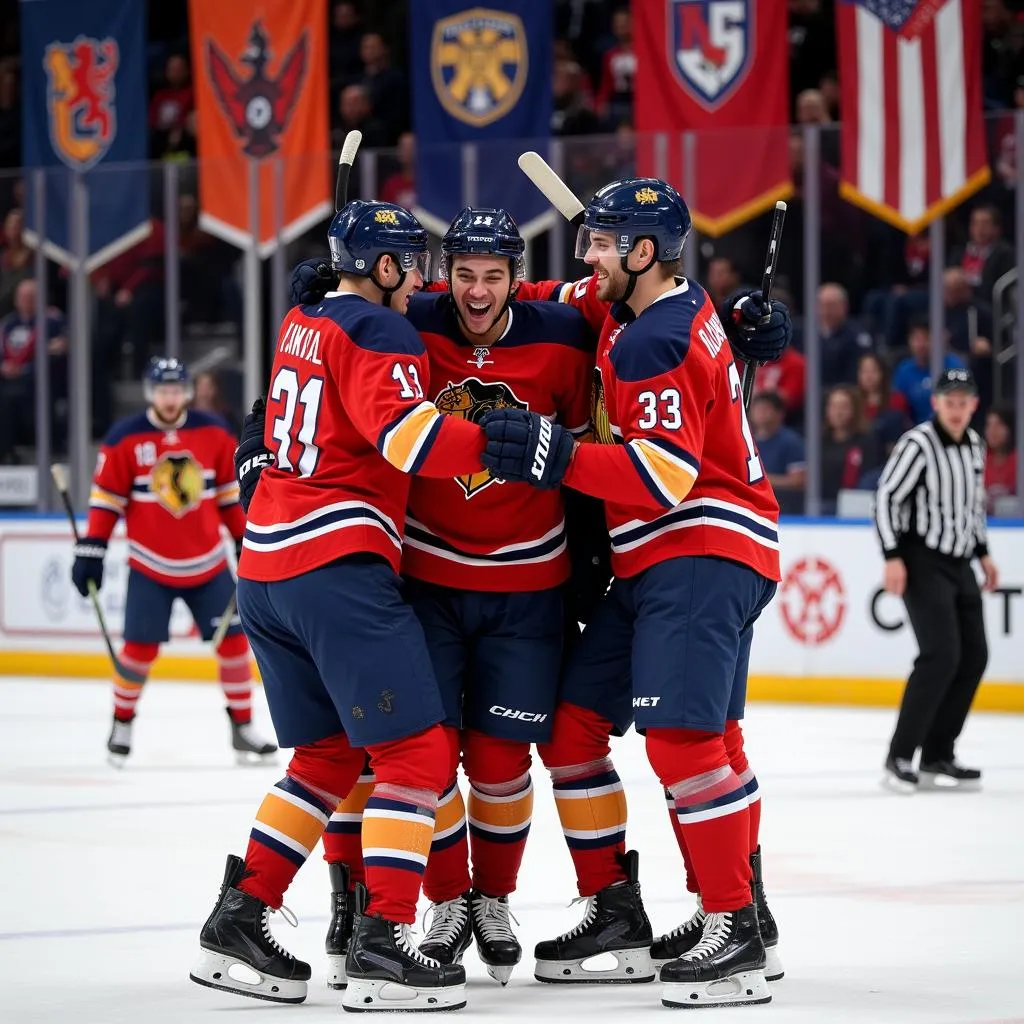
[943,603]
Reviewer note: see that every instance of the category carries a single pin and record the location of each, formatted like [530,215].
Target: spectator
[829,87]
[885,411]
[357,113]
[1000,455]
[847,448]
[170,108]
[400,187]
[10,118]
[209,294]
[781,450]
[16,259]
[812,44]
[899,272]
[208,398]
[1000,50]
[385,86]
[913,377]
[722,279]
[811,108]
[841,342]
[787,377]
[571,114]
[986,257]
[346,38]
[618,70]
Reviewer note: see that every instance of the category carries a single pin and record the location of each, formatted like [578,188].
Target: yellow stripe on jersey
[227,494]
[403,441]
[673,476]
[100,498]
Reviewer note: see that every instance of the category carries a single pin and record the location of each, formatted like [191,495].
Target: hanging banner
[913,142]
[261,85]
[480,75]
[718,71]
[83,73]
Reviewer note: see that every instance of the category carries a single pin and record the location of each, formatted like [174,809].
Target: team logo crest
[646,196]
[479,62]
[80,99]
[177,482]
[386,217]
[599,412]
[711,46]
[470,400]
[257,106]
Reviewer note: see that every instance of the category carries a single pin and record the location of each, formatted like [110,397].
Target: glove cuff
[90,547]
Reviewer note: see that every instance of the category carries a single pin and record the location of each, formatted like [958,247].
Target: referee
[930,516]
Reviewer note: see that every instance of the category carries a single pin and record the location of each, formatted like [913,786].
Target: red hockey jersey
[348,421]
[474,532]
[175,487]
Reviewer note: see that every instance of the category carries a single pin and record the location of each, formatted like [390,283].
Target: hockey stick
[767,280]
[60,480]
[551,186]
[224,624]
[349,148]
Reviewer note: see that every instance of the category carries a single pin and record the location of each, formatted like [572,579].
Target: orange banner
[261,87]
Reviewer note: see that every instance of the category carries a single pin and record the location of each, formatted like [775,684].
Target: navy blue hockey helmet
[162,370]
[479,231]
[363,231]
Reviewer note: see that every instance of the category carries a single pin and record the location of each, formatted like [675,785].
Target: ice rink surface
[891,909]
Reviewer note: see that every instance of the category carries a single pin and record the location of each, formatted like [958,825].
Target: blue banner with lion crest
[480,75]
[84,114]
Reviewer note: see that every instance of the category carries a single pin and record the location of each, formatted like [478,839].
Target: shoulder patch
[135,424]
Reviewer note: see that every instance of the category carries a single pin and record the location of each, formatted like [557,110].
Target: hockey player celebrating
[343,658]
[169,472]
[693,526]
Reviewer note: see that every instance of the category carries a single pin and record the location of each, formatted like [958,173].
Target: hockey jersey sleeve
[226,486]
[111,487]
[383,390]
[661,400]
[582,294]
[574,403]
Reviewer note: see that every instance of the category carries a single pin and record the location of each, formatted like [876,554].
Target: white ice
[891,909]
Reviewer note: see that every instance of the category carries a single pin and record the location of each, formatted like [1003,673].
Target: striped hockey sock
[139,658]
[343,839]
[499,823]
[738,759]
[677,831]
[447,874]
[235,674]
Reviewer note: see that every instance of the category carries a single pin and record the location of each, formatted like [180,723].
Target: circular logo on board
[813,600]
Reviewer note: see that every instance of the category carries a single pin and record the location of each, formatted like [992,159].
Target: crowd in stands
[871,308]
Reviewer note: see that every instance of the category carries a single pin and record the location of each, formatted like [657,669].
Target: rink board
[831,636]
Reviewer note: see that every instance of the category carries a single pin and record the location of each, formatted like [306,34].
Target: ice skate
[239,954]
[450,933]
[900,776]
[725,968]
[615,922]
[339,932]
[948,775]
[496,944]
[675,943]
[387,972]
[250,748]
[119,745]
[766,925]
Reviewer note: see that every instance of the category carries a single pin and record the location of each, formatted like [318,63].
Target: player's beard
[612,287]
[177,410]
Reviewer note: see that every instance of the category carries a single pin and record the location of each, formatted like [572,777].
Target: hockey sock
[711,805]
[398,822]
[235,674]
[294,814]
[447,874]
[740,765]
[677,831]
[343,839]
[139,658]
[500,809]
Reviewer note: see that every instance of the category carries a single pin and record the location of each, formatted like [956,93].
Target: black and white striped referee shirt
[932,492]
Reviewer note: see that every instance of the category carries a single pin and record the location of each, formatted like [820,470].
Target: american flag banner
[913,139]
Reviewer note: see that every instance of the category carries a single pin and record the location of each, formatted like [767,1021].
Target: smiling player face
[603,257]
[480,286]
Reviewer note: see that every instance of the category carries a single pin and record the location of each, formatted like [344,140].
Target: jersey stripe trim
[264,539]
[542,549]
[181,567]
[227,494]
[402,440]
[672,469]
[106,500]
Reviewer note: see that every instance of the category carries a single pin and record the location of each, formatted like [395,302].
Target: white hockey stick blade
[557,193]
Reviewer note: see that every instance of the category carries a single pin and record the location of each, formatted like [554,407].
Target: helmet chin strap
[387,292]
[633,274]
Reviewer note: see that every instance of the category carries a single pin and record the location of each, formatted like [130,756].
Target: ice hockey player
[693,526]
[169,471]
[343,657]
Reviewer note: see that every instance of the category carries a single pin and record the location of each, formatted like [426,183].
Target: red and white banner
[913,141]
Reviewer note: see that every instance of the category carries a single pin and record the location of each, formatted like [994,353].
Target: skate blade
[895,785]
[116,760]
[773,970]
[250,759]
[368,996]
[943,783]
[337,978]
[500,973]
[215,970]
[632,966]
[747,988]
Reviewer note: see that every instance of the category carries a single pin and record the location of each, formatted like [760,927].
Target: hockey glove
[88,565]
[759,330]
[311,281]
[251,455]
[523,446]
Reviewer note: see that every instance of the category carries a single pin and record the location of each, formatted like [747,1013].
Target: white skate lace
[403,940]
[716,934]
[446,921]
[696,921]
[589,916]
[269,935]
[491,918]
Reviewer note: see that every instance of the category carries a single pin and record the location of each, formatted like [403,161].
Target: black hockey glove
[251,455]
[89,553]
[759,331]
[523,446]
[311,281]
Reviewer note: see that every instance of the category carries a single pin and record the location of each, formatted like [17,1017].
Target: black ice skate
[239,954]
[339,932]
[451,931]
[248,745]
[615,922]
[387,972]
[675,943]
[119,745]
[496,943]
[769,930]
[899,775]
[948,775]
[726,968]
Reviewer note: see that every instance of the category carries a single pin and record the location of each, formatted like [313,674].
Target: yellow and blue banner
[84,115]
[480,75]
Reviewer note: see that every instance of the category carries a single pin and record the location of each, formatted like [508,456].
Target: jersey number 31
[286,386]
